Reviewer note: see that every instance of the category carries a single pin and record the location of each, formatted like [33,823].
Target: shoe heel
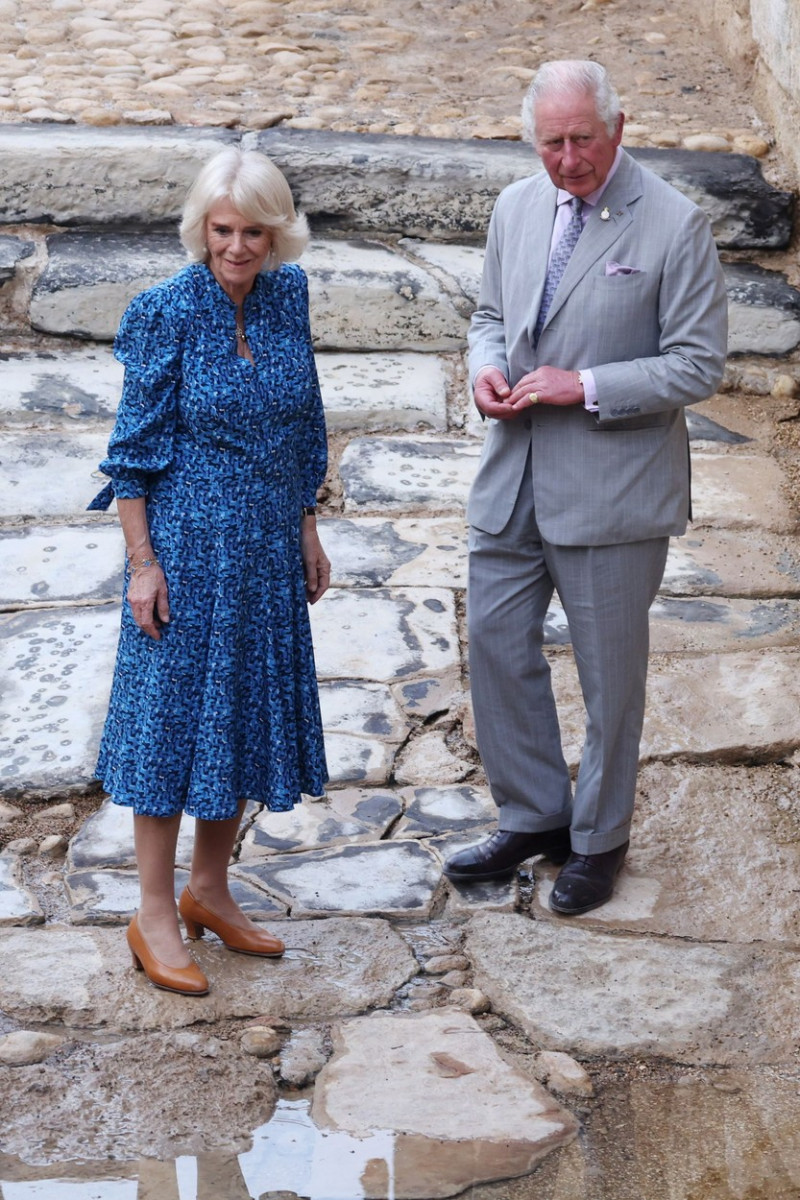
[137,966]
[194,930]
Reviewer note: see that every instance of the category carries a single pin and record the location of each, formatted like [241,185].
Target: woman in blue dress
[215,461]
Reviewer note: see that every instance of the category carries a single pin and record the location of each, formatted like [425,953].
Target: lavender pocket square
[615,268]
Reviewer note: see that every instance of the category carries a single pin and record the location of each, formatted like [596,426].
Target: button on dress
[225,706]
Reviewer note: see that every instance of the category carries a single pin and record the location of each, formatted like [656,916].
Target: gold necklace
[241,334]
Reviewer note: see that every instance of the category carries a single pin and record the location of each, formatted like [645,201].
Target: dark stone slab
[703,429]
[12,251]
[443,188]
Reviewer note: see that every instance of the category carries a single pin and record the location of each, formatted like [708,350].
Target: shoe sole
[576,912]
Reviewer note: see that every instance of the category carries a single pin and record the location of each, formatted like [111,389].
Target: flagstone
[432,697]
[384,634]
[106,838]
[444,1103]
[723,562]
[51,474]
[57,667]
[106,897]
[402,473]
[695,829]
[706,623]
[427,758]
[12,251]
[91,277]
[58,564]
[321,823]
[353,759]
[82,977]
[763,310]
[378,391]
[733,707]
[18,904]
[436,810]
[587,992]
[740,491]
[374,551]
[74,383]
[387,879]
[365,296]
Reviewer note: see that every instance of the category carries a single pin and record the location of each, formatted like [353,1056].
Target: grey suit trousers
[606,592]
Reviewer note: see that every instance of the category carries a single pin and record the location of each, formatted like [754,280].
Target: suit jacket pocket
[655,420]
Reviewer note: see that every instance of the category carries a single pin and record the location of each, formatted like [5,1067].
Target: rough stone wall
[763,37]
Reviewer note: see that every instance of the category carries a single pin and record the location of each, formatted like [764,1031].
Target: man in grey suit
[602,313]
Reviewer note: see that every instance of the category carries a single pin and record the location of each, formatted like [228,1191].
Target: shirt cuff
[589,392]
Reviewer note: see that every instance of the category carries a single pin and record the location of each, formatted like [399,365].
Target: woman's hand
[316,564]
[147,596]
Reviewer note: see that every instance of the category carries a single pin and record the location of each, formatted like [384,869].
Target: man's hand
[550,385]
[491,392]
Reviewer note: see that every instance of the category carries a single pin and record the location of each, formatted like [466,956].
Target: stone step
[426,187]
[723,684]
[364,295]
[424,474]
[360,391]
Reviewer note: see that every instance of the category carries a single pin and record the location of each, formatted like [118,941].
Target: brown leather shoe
[586,881]
[197,919]
[186,981]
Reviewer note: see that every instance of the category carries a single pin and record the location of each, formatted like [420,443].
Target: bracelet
[308,510]
[140,566]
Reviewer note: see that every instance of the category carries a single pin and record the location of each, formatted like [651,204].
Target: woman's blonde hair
[258,189]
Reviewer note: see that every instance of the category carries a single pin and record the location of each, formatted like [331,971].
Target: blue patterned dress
[225,706]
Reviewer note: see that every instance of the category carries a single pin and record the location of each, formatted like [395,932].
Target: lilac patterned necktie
[558,263]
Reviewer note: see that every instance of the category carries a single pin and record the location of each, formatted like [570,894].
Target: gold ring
[534,397]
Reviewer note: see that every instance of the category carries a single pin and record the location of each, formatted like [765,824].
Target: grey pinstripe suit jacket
[655,339]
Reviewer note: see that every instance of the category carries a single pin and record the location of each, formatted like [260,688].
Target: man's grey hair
[565,77]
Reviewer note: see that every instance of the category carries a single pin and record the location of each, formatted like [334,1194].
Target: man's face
[573,143]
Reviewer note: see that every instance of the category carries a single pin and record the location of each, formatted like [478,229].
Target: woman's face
[237,248]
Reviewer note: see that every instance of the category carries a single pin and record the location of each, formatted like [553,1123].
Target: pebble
[706,141]
[261,1041]
[749,143]
[54,846]
[8,812]
[561,1072]
[56,812]
[440,964]
[784,386]
[471,1000]
[454,979]
[26,1046]
[304,1056]
[21,846]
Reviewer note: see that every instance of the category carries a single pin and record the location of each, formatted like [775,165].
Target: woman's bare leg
[155,839]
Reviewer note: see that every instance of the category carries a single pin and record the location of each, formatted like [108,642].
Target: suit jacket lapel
[599,235]
[534,250]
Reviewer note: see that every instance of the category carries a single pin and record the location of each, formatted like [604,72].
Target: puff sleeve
[149,344]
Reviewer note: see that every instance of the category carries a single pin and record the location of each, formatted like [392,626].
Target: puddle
[289,1156]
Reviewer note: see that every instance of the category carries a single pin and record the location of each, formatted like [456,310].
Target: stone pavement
[415,1007]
